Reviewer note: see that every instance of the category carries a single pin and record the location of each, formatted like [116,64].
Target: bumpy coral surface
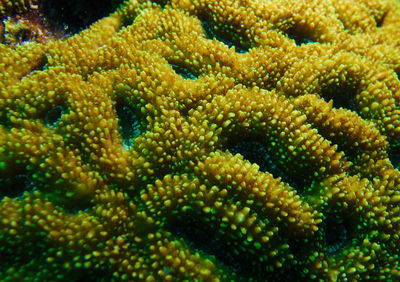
[234,140]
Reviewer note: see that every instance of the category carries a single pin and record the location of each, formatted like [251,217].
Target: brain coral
[233,140]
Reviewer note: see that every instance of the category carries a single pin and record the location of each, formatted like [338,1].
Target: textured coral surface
[204,140]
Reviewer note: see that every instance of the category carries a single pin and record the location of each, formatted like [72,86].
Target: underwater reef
[200,140]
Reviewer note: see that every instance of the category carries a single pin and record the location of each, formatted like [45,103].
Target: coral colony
[200,140]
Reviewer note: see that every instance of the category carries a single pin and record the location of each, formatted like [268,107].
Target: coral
[8,7]
[22,22]
[205,140]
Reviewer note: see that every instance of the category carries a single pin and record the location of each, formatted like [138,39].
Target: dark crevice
[53,116]
[352,153]
[269,159]
[68,203]
[184,109]
[379,21]
[255,152]
[336,236]
[231,38]
[22,36]
[32,249]
[298,36]
[227,250]
[342,96]
[31,259]
[183,71]
[14,186]
[337,231]
[198,238]
[91,275]
[129,123]
[14,180]
[162,3]
[77,206]
[75,15]
[41,65]
[394,156]
[5,121]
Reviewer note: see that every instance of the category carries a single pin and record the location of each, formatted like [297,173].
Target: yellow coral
[8,7]
[205,140]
